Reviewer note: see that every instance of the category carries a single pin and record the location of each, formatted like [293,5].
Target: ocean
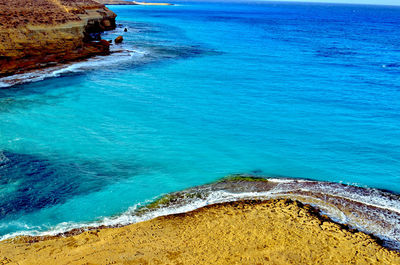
[198,91]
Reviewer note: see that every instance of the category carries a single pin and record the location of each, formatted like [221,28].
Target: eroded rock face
[37,33]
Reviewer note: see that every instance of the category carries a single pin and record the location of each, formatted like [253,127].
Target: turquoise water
[199,91]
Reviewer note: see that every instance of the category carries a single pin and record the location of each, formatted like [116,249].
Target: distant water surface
[199,91]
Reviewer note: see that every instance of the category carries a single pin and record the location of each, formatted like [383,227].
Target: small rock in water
[110,41]
[119,39]
[125,30]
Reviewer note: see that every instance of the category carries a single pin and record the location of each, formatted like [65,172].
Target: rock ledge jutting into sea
[40,33]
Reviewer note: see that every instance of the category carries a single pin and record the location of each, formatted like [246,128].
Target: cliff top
[16,13]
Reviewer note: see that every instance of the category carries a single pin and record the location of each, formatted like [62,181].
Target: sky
[375,2]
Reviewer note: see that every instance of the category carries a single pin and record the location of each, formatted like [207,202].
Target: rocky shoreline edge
[368,210]
[246,231]
[312,211]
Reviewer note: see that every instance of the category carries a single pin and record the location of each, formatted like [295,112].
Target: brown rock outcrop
[119,39]
[37,33]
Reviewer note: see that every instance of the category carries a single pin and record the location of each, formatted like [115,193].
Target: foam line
[378,215]
[119,56]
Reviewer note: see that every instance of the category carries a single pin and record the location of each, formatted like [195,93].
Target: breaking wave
[369,210]
[119,54]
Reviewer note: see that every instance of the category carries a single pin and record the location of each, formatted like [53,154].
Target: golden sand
[247,232]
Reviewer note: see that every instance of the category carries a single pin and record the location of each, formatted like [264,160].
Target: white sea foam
[379,210]
[118,55]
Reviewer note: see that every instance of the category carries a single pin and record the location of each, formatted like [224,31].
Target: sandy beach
[246,232]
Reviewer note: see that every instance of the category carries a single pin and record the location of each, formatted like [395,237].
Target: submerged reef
[40,33]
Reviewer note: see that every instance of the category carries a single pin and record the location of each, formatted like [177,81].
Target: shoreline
[247,231]
[370,211]
[133,3]
[75,66]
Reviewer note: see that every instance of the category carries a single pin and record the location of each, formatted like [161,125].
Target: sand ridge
[245,232]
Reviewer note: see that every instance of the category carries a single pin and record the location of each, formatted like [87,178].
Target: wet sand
[246,232]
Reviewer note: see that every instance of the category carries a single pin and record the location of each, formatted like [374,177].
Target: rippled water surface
[199,91]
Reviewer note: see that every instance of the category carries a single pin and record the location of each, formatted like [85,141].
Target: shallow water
[200,91]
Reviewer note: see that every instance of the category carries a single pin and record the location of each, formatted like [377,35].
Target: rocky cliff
[38,33]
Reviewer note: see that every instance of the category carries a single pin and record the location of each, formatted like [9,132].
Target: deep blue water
[208,89]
